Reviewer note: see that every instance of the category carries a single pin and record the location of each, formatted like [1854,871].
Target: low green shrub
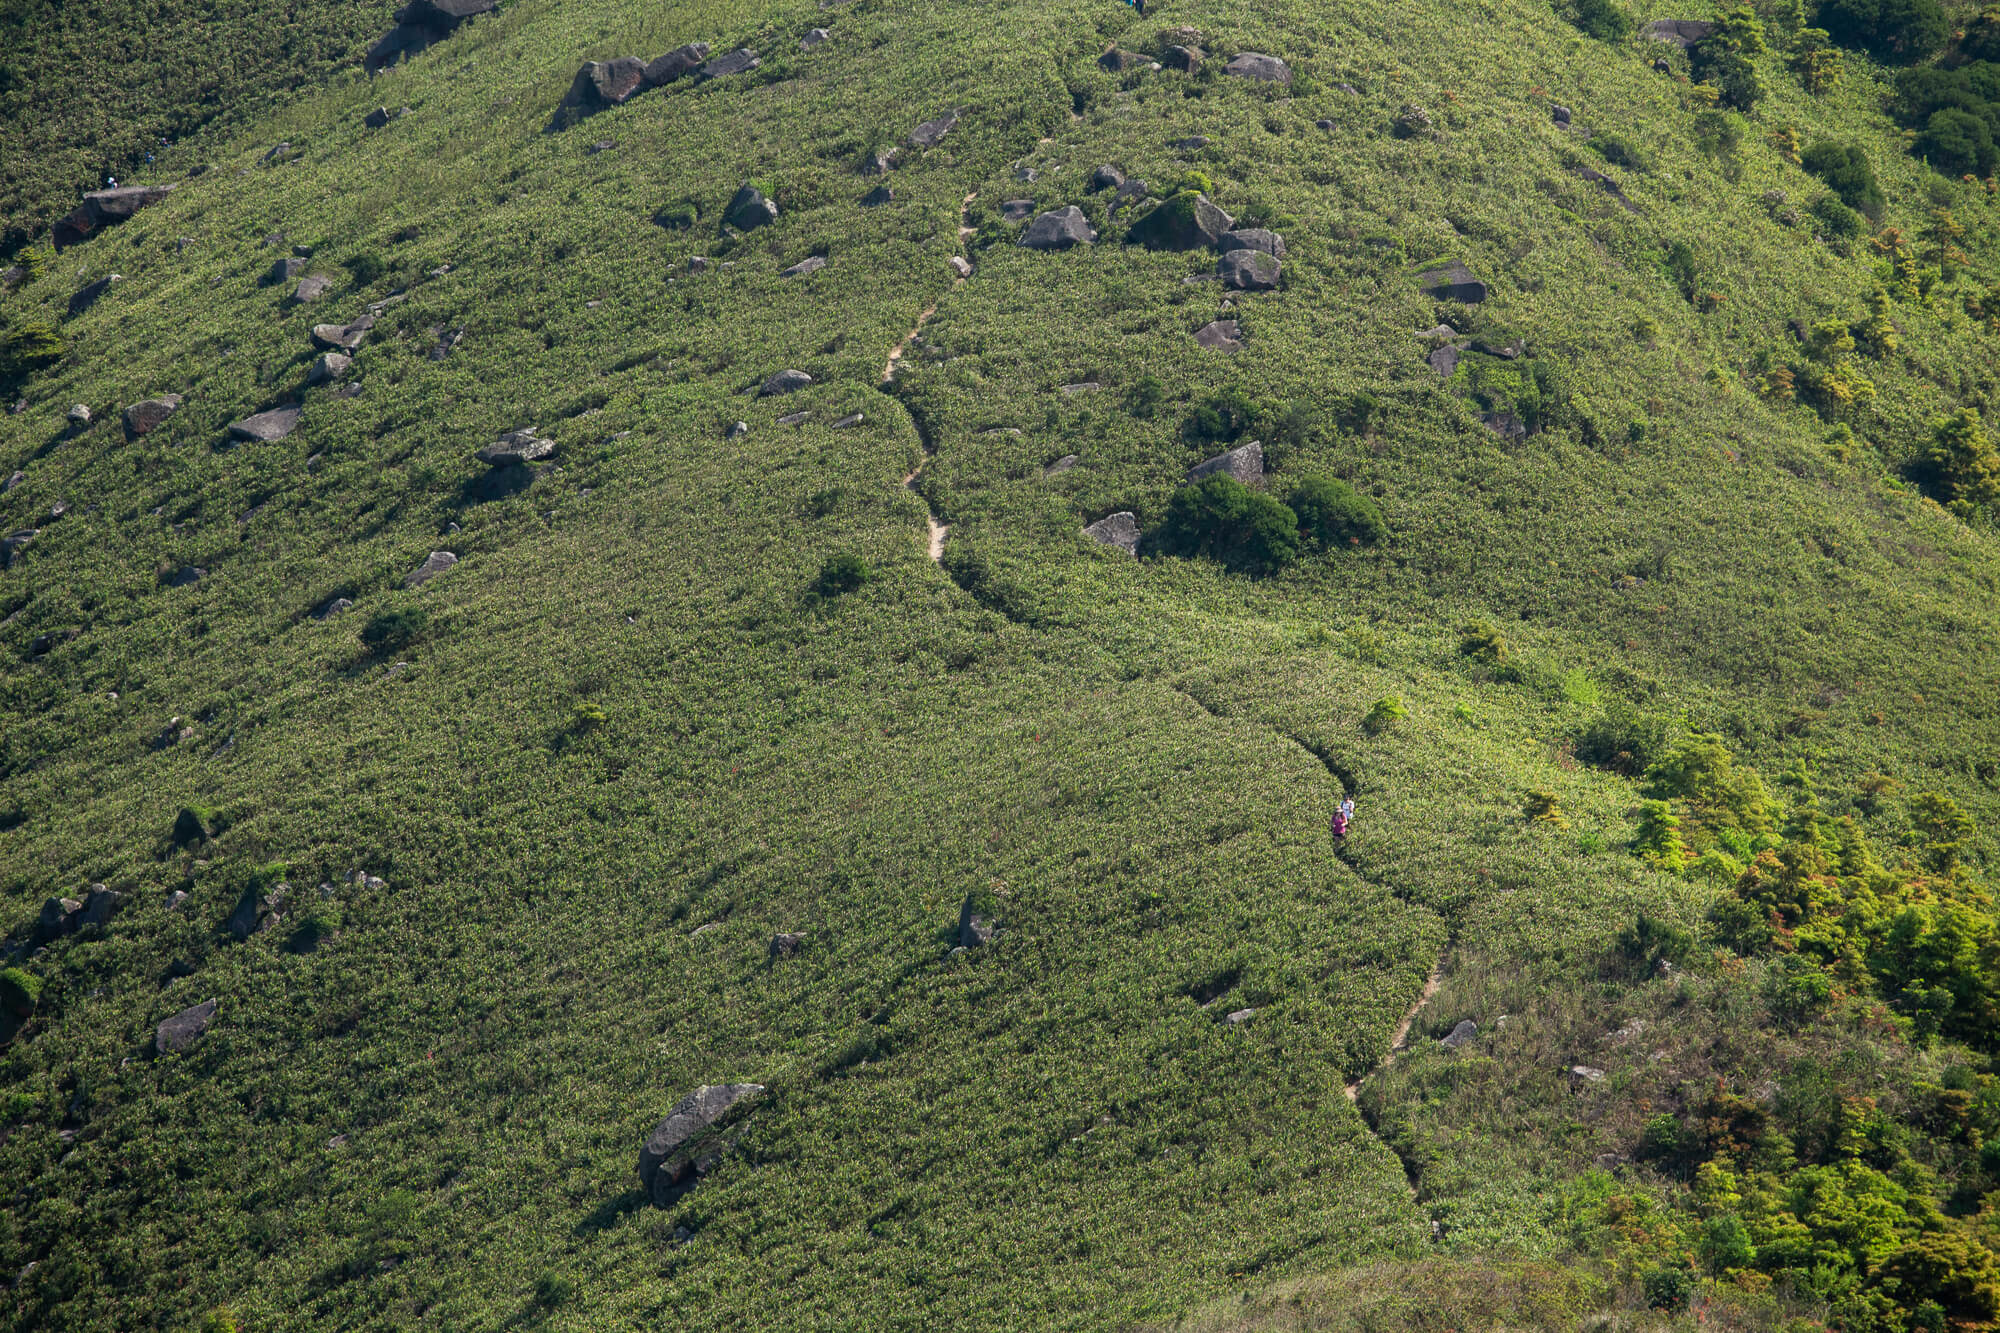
[1331,513]
[1384,713]
[1482,642]
[28,348]
[1619,151]
[1222,418]
[1604,20]
[1221,519]
[1848,173]
[393,630]
[841,574]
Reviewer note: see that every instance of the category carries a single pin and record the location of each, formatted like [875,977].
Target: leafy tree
[1384,712]
[1604,20]
[1725,58]
[1893,30]
[1220,518]
[843,573]
[1963,461]
[1658,837]
[1848,173]
[1818,61]
[1837,222]
[1725,1244]
[1332,513]
[1958,142]
[1222,418]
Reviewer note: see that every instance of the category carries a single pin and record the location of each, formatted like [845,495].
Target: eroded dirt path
[1399,1041]
[938,530]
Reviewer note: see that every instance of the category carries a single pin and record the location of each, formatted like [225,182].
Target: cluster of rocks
[420,24]
[104,208]
[1190,221]
[67,916]
[514,461]
[693,1139]
[254,913]
[1245,463]
[603,84]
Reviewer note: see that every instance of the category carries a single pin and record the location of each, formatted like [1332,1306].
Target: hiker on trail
[1341,818]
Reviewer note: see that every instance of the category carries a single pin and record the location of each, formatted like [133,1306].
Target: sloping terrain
[515,844]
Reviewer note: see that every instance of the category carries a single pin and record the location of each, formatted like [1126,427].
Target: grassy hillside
[538,820]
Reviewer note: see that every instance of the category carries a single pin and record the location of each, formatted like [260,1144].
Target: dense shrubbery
[1848,173]
[1222,519]
[1332,513]
[393,630]
[27,349]
[1957,113]
[1604,20]
[1893,30]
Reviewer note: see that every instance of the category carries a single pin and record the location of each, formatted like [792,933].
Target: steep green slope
[623,716]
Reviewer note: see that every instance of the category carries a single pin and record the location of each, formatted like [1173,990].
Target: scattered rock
[815,37]
[1120,530]
[850,421]
[601,146]
[59,917]
[1194,143]
[974,928]
[1222,335]
[1253,238]
[14,543]
[1130,195]
[185,577]
[1186,59]
[1582,1075]
[787,945]
[960,265]
[878,162]
[377,118]
[740,61]
[1444,360]
[266,427]
[99,905]
[1106,177]
[677,63]
[1681,32]
[1412,122]
[877,197]
[283,270]
[1559,113]
[1460,1035]
[420,24]
[447,341]
[737,431]
[181,1031]
[1028,174]
[749,209]
[1185,222]
[1610,1161]
[79,415]
[685,1146]
[105,208]
[1505,351]
[1016,210]
[436,563]
[808,265]
[13,479]
[794,418]
[333,608]
[932,132]
[88,296]
[1239,1016]
[1245,463]
[1504,424]
[1119,61]
[342,337]
[1249,271]
[1265,69]
[1059,229]
[1609,186]
[312,288]
[1324,124]
[517,447]
[697,263]
[329,367]
[1452,282]
[785,381]
[1061,465]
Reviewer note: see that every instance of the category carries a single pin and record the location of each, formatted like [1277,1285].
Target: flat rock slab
[1444,360]
[1118,61]
[850,421]
[181,1031]
[436,563]
[1249,271]
[1681,32]
[1504,424]
[105,208]
[672,1158]
[145,418]
[1120,530]
[1263,68]
[1222,335]
[932,132]
[1252,238]
[342,337]
[677,63]
[284,270]
[1452,282]
[1245,463]
[1059,229]
[740,61]
[804,267]
[785,381]
[312,288]
[795,418]
[265,427]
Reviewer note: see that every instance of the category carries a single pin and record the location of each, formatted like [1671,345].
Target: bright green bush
[1331,513]
[1383,713]
[1221,519]
[28,348]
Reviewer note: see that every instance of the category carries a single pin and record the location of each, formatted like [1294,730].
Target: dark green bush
[1144,398]
[29,348]
[191,826]
[365,268]
[552,1291]
[1331,513]
[1603,19]
[1848,173]
[1892,30]
[19,991]
[1223,418]
[1648,941]
[1222,519]
[1624,739]
[841,574]
[1958,143]
[1619,151]
[1668,1289]
[1680,266]
[393,630]
[1482,642]
[1835,220]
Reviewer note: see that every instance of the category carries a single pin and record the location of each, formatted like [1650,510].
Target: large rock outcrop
[691,1141]
[1059,229]
[419,24]
[105,208]
[1188,221]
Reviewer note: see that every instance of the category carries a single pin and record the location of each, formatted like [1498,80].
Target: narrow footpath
[938,530]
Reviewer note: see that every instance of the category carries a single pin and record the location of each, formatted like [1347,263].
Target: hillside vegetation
[1645,607]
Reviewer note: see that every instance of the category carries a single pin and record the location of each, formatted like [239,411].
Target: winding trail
[1399,1041]
[938,530]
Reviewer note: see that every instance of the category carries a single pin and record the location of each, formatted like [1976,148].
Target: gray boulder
[1106,177]
[333,608]
[517,447]
[1681,32]
[878,162]
[1120,530]
[677,63]
[58,917]
[1252,238]
[266,427]
[421,23]
[1444,360]
[599,86]
[436,563]
[1221,335]
[809,265]
[376,119]
[1186,59]
[787,944]
[14,543]
[1249,271]
[1504,424]
[1452,282]
[1264,69]
[740,61]
[748,209]
[1059,229]
[1185,222]
[342,337]
[960,265]
[1239,1016]
[145,418]
[1016,210]
[1118,61]
[79,415]
[329,367]
[284,270]
[687,1145]
[850,421]
[931,133]
[1245,463]
[99,905]
[181,1031]
[1461,1035]
[795,418]
[785,381]
[105,208]
[815,37]
[312,288]
[1583,1075]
